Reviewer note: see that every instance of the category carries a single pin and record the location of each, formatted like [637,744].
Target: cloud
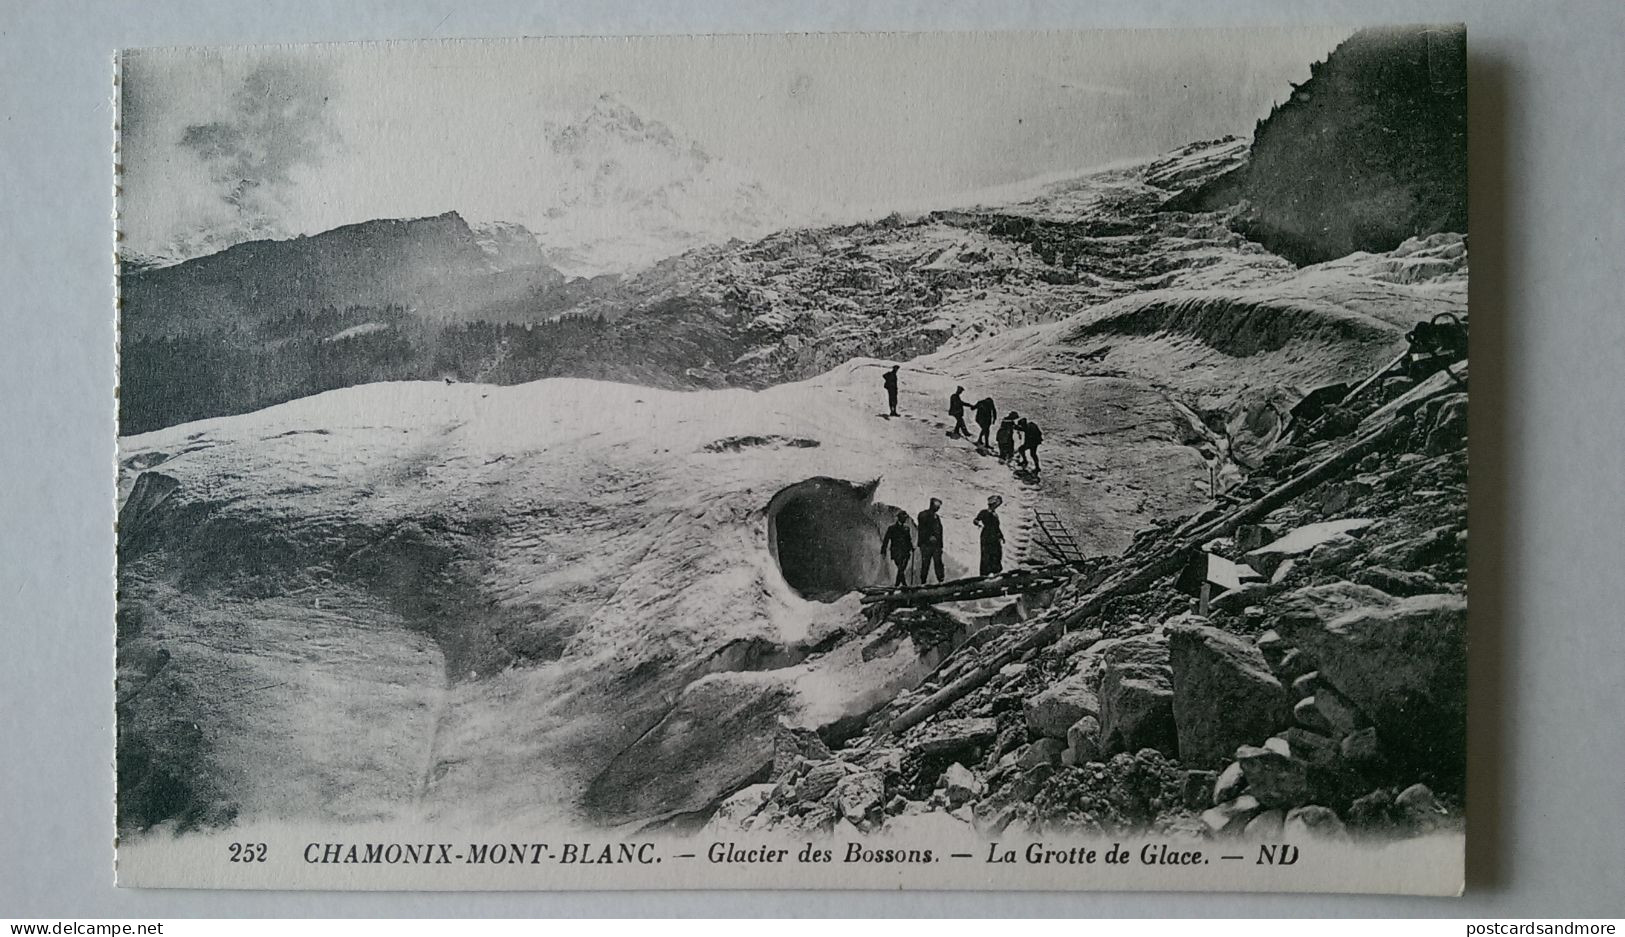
[277,121]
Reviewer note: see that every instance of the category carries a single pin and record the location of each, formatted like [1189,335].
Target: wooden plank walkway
[1012,582]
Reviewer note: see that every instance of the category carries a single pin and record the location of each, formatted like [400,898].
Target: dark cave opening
[825,534]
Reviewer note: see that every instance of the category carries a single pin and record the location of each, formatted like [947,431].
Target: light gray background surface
[1547,789]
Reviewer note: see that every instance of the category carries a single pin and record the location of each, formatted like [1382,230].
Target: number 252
[247,852]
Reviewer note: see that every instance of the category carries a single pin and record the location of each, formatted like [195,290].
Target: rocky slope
[1370,151]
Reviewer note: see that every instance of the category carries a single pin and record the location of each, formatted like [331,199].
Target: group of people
[1013,424]
[899,544]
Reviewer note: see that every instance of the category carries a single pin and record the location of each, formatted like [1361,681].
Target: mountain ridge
[426,264]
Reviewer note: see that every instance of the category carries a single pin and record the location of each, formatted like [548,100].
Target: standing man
[1006,436]
[985,412]
[1031,436]
[929,525]
[956,409]
[890,380]
[900,544]
[992,537]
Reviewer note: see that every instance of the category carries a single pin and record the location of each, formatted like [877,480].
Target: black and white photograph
[971,460]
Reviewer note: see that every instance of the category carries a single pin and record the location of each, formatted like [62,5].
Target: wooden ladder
[1056,539]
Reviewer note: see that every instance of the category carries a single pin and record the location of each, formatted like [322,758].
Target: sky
[241,142]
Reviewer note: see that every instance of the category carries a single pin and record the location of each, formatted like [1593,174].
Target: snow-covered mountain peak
[631,191]
[612,121]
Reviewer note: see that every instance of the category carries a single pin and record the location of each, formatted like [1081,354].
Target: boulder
[1026,787]
[793,748]
[1335,497]
[1138,712]
[1223,693]
[1250,537]
[1414,553]
[1360,747]
[886,759]
[960,785]
[1311,747]
[1074,642]
[1083,740]
[1087,663]
[1403,665]
[1373,812]
[953,736]
[1417,808]
[1198,789]
[1045,751]
[1300,542]
[1137,695]
[860,796]
[1397,582]
[820,780]
[1287,568]
[1305,714]
[1232,815]
[1229,784]
[1328,714]
[1335,552]
[1448,432]
[1267,825]
[1249,593]
[994,823]
[1313,821]
[1274,778]
[1294,664]
[1012,737]
[1055,710]
[1184,619]
[818,819]
[1324,602]
[1337,713]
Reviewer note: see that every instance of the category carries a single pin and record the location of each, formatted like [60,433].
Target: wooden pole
[966,595]
[875,593]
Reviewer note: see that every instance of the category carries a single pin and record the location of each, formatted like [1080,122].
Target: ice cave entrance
[825,535]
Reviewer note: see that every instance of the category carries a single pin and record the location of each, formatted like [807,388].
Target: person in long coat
[992,537]
[899,542]
[929,524]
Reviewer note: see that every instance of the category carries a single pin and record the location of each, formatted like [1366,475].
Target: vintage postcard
[930,461]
